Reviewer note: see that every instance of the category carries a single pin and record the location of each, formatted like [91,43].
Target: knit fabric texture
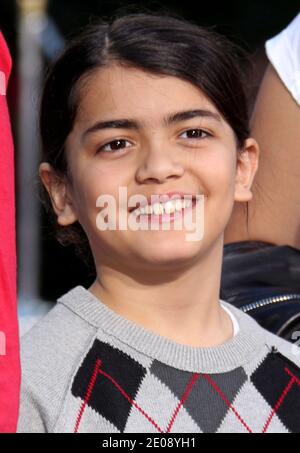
[85,368]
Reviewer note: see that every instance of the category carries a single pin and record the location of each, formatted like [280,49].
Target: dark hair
[160,44]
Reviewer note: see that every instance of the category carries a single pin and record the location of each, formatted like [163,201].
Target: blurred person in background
[261,263]
[9,343]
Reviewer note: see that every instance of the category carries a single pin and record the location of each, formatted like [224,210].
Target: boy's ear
[247,164]
[57,190]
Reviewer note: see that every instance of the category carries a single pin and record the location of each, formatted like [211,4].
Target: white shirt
[235,323]
[283,52]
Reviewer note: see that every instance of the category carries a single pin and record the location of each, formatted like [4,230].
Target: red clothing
[9,337]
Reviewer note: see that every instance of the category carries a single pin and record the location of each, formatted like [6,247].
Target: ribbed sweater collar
[237,351]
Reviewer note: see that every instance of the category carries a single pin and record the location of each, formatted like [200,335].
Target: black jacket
[263,280]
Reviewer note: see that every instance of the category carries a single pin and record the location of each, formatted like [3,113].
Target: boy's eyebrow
[135,124]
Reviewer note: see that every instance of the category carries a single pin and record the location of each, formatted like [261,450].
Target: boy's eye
[113,146]
[119,144]
[196,133]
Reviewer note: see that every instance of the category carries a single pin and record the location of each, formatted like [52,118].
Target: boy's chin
[177,254]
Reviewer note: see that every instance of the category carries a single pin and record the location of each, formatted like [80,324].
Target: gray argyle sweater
[87,369]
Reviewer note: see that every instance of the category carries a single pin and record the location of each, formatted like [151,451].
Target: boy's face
[154,158]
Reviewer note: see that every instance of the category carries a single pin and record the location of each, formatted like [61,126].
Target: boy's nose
[158,165]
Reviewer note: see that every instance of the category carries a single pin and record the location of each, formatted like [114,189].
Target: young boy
[153,105]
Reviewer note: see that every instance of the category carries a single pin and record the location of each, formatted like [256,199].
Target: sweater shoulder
[49,354]
[272,342]
[289,350]
[58,334]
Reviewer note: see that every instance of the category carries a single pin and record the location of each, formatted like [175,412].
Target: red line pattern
[98,371]
[88,394]
[218,390]
[131,401]
[278,404]
[180,404]
[281,398]
[292,376]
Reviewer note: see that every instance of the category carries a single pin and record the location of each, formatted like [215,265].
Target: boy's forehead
[124,92]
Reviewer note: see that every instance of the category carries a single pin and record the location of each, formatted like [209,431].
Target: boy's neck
[186,309]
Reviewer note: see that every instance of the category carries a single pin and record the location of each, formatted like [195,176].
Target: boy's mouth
[165,206]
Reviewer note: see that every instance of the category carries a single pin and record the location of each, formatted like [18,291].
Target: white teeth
[156,208]
[179,205]
[169,207]
[163,208]
[148,209]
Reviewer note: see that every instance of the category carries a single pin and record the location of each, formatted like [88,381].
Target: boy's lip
[163,197]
